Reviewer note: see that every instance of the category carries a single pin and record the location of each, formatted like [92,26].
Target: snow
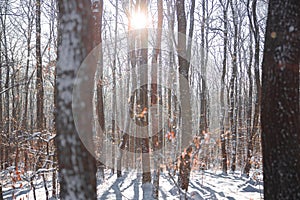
[203,185]
[291,29]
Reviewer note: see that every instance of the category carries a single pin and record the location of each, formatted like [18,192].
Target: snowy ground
[203,185]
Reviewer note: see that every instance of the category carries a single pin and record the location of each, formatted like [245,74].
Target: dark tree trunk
[24,123]
[121,147]
[181,19]
[185,170]
[1,195]
[39,71]
[203,94]
[39,81]
[1,113]
[222,98]
[77,167]
[232,112]
[7,108]
[280,101]
[252,130]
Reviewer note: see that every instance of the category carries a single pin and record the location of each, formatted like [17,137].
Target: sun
[138,20]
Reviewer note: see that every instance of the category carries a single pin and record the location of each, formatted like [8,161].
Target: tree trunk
[280,101]
[232,112]
[1,195]
[184,88]
[203,94]
[155,93]
[77,167]
[39,71]
[97,41]
[1,114]
[146,176]
[252,131]
[7,108]
[222,98]
[24,123]
[40,118]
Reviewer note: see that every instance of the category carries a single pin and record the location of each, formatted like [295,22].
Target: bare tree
[253,130]
[280,101]
[232,112]
[1,109]
[6,126]
[97,8]
[184,89]
[39,70]
[156,144]
[225,5]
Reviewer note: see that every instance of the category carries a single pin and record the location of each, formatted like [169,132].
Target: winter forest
[149,99]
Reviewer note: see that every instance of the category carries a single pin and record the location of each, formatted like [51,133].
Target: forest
[149,99]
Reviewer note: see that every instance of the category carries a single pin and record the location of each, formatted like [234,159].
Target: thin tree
[97,41]
[232,112]
[280,101]
[39,70]
[6,129]
[28,34]
[1,110]
[155,93]
[252,131]
[203,94]
[225,5]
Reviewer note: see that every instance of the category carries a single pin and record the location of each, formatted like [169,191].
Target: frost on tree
[280,101]
[77,167]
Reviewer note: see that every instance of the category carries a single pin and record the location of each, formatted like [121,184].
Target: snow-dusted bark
[280,101]
[76,165]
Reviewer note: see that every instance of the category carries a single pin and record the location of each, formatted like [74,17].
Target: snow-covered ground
[203,185]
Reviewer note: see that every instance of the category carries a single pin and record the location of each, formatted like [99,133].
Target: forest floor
[203,185]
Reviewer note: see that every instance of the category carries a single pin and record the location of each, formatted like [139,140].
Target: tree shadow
[115,187]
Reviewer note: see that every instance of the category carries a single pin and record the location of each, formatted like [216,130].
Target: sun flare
[138,20]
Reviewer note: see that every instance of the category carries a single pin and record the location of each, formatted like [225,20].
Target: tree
[204,93]
[39,78]
[185,97]
[156,93]
[232,112]
[145,145]
[97,40]
[252,131]
[1,109]
[39,71]
[77,166]
[222,115]
[280,101]
[6,124]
